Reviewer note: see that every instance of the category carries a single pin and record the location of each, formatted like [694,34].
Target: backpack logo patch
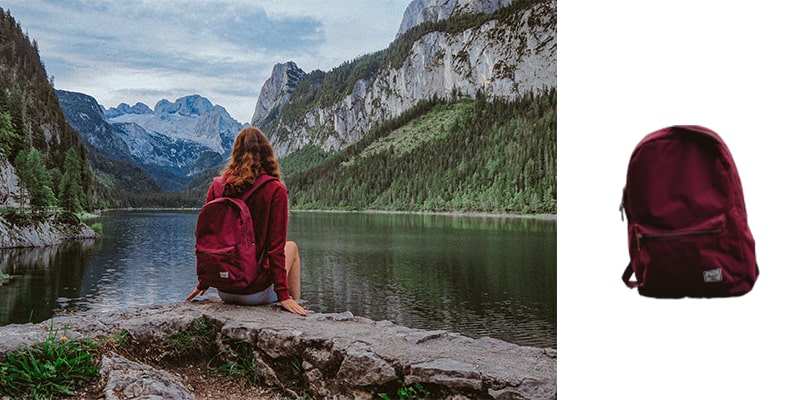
[712,275]
[223,274]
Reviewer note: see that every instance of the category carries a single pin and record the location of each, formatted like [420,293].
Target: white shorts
[265,296]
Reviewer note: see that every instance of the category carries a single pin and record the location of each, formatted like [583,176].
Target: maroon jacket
[269,208]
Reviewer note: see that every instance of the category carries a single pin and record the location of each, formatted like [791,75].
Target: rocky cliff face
[11,193]
[277,90]
[420,11]
[42,233]
[504,59]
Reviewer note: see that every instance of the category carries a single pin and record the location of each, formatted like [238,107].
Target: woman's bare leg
[293,269]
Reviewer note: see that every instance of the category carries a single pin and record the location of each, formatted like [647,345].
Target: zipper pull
[621,214]
[639,241]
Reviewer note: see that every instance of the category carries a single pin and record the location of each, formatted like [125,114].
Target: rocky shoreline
[341,355]
[41,233]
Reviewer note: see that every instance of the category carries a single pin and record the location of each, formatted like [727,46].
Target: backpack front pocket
[680,262]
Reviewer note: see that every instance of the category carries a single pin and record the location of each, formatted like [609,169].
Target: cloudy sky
[148,50]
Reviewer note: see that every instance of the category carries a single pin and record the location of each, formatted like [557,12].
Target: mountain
[276,91]
[191,118]
[138,108]
[421,11]
[108,153]
[503,55]
[378,132]
[85,115]
[171,143]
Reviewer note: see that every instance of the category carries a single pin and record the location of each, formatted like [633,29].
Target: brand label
[223,274]
[712,275]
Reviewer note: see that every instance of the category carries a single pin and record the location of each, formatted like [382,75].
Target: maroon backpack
[687,224]
[225,242]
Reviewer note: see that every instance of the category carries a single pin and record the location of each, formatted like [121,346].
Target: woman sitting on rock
[253,156]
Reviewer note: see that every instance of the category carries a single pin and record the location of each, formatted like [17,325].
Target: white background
[626,69]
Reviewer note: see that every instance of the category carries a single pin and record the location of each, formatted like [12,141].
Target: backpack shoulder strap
[260,181]
[217,186]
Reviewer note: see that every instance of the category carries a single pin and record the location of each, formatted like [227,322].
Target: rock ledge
[342,356]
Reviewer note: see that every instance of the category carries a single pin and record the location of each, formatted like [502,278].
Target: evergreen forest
[50,159]
[468,155]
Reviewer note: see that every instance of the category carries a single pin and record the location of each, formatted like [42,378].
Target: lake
[478,276]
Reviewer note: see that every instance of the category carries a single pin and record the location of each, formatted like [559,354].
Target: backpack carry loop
[626,277]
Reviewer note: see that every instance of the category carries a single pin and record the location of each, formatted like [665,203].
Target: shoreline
[470,214]
[549,217]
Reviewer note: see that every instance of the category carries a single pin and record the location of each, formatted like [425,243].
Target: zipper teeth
[225,253]
[682,233]
[640,235]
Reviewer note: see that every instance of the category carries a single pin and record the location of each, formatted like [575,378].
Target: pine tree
[20,163]
[38,184]
[70,190]
[9,138]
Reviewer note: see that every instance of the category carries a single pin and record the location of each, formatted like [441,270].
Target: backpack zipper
[672,235]
[223,252]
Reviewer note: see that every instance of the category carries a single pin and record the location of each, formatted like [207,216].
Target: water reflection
[143,257]
[479,276]
[475,275]
[42,279]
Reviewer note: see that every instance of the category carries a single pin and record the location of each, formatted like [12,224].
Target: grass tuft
[52,368]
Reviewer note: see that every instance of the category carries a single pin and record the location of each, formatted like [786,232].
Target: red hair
[251,154]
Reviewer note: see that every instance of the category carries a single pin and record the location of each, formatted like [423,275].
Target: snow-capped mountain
[177,155]
[138,108]
[85,115]
[171,143]
[191,118]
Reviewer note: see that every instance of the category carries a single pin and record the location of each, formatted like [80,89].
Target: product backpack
[687,224]
[225,245]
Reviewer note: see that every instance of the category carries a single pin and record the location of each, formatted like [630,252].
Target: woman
[269,207]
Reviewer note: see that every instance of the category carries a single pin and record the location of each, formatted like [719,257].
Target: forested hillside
[466,155]
[47,153]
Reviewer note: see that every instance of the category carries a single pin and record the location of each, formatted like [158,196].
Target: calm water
[479,276]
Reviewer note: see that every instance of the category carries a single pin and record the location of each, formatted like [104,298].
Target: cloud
[146,50]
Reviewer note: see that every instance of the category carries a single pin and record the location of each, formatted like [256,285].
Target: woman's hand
[292,306]
[195,292]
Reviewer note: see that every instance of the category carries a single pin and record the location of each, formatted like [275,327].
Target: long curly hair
[251,154]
